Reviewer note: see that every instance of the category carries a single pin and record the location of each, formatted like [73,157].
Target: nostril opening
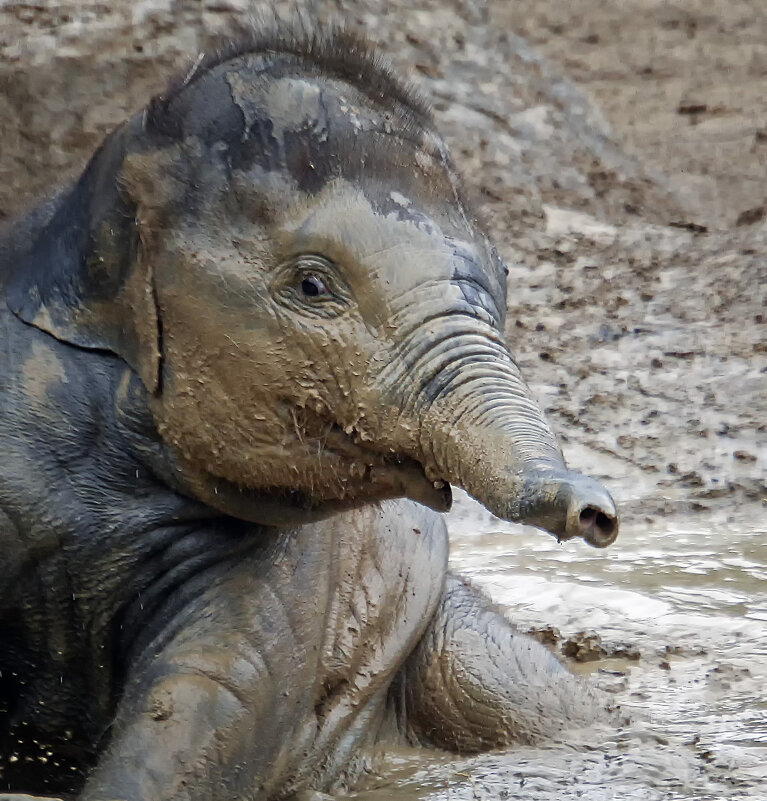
[603,524]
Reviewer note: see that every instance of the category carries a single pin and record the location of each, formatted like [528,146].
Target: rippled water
[692,598]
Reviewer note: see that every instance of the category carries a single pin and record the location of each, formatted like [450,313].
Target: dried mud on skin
[636,247]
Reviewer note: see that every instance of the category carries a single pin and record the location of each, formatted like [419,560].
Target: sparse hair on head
[332,49]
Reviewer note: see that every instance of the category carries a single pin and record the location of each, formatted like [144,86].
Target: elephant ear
[82,275]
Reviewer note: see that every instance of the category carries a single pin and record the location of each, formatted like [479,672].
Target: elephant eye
[313,286]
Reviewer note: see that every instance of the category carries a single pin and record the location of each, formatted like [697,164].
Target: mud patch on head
[287,128]
[290,101]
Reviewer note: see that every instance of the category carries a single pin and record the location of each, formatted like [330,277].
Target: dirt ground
[681,83]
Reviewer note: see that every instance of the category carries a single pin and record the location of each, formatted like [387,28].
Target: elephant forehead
[390,248]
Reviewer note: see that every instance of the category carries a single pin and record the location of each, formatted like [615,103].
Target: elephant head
[279,247]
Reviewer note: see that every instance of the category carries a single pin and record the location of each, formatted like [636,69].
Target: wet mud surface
[628,205]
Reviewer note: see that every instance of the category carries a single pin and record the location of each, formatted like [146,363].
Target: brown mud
[628,201]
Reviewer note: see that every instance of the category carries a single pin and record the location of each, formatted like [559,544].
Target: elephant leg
[275,670]
[473,683]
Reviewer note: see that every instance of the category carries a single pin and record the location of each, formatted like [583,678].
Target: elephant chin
[386,477]
[415,485]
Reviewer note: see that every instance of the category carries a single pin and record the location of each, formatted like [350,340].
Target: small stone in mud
[587,647]
[695,228]
[750,216]
[626,651]
[681,650]
[664,665]
[547,635]
[744,456]
[584,647]
[692,107]
[691,479]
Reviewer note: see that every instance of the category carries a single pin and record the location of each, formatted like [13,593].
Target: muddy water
[687,599]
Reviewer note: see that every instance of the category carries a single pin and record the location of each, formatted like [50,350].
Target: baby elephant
[240,356]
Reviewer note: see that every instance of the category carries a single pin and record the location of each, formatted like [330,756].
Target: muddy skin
[261,314]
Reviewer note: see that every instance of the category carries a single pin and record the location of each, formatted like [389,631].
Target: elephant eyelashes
[310,284]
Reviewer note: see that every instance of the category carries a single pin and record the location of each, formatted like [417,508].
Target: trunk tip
[598,526]
[575,505]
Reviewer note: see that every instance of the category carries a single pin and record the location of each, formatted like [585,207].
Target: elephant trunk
[483,431]
[556,499]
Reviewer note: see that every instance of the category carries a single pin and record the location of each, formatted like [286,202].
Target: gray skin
[241,356]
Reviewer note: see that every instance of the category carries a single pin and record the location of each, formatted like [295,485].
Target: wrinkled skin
[261,315]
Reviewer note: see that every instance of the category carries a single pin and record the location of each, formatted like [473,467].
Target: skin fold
[242,356]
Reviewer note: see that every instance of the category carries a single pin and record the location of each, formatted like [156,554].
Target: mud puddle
[672,621]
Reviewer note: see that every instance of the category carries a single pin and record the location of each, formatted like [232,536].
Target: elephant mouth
[383,474]
[415,484]
[359,475]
